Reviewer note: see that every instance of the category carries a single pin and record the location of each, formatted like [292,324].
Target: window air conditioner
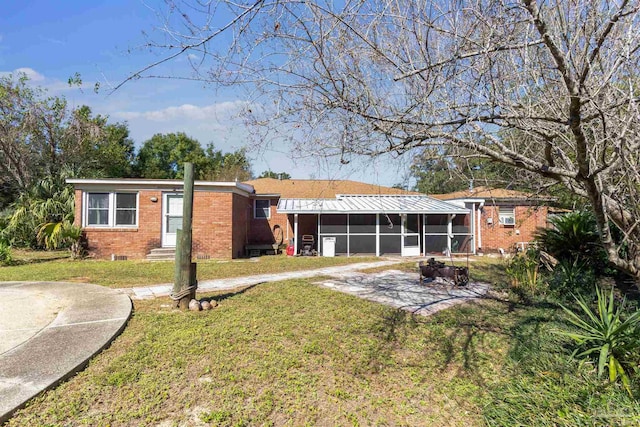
[508,220]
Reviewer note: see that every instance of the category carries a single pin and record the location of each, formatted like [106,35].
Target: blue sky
[102,40]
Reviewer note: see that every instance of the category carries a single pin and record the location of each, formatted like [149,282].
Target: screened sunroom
[406,225]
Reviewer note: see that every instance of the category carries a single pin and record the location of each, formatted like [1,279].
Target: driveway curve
[49,331]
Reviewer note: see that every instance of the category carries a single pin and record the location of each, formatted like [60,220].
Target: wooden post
[185,269]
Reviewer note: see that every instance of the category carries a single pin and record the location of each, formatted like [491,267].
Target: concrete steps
[162,254]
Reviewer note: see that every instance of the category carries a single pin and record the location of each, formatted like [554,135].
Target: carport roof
[370,204]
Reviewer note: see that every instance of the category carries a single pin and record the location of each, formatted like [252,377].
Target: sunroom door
[171,218]
[410,235]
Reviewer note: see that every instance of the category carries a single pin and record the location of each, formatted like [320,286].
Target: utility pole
[185,283]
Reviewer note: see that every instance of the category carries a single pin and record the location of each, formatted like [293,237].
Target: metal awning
[370,204]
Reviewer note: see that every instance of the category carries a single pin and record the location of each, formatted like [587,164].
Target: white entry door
[171,218]
[410,235]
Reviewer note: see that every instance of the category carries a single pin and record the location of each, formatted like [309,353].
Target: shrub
[57,235]
[572,276]
[574,236]
[606,335]
[523,271]
[5,253]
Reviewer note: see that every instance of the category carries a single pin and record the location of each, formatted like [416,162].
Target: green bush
[5,253]
[523,271]
[574,236]
[606,335]
[571,276]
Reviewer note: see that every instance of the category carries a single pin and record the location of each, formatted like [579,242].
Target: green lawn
[292,353]
[56,266]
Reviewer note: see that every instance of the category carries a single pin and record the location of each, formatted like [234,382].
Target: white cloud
[186,112]
[52,85]
[32,74]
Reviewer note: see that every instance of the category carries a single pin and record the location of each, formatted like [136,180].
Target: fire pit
[433,269]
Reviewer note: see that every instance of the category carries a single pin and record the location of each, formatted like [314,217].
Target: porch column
[318,234]
[423,235]
[473,228]
[377,234]
[295,232]
[449,231]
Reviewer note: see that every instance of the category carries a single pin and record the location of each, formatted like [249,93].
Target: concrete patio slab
[403,290]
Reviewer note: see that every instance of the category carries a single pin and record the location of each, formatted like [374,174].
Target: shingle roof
[370,204]
[320,189]
[485,193]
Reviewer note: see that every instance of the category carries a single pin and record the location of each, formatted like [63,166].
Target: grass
[57,266]
[292,353]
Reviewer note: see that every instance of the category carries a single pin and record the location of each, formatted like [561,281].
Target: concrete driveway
[50,330]
[403,290]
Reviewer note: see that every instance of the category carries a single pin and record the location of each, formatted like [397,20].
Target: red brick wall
[495,235]
[132,242]
[261,230]
[218,227]
[242,211]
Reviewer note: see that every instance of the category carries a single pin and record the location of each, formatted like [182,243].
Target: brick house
[503,219]
[133,217]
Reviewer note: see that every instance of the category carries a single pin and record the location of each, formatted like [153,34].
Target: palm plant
[40,214]
[573,236]
[606,334]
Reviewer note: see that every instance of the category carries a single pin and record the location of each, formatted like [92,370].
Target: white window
[111,209]
[507,216]
[262,208]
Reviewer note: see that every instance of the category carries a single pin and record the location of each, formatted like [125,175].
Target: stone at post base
[194,305]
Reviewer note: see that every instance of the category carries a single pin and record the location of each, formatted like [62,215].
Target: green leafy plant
[5,253]
[572,276]
[523,272]
[50,201]
[573,236]
[606,335]
[60,234]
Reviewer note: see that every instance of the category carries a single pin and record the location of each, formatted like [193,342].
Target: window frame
[89,208]
[256,210]
[502,214]
[112,209]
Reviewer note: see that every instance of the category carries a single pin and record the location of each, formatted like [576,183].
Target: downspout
[480,206]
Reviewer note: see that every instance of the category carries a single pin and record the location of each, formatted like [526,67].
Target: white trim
[164,232]
[480,206]
[96,185]
[295,233]
[111,210]
[377,234]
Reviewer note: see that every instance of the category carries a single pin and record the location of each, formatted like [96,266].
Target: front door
[410,235]
[171,218]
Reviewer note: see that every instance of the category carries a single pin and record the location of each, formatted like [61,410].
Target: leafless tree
[546,86]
